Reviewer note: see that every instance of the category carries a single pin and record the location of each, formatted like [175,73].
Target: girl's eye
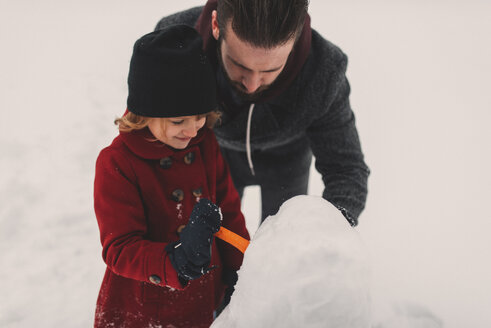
[177,122]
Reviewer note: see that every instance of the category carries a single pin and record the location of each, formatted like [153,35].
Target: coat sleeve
[229,202]
[337,150]
[122,224]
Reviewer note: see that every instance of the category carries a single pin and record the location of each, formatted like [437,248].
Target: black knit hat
[170,75]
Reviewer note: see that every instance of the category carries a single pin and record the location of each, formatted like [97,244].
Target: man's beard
[238,88]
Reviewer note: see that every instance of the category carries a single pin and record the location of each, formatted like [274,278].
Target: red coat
[144,191]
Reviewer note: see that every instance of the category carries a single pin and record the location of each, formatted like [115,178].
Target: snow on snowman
[307,267]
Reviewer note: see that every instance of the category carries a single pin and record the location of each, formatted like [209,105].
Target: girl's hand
[191,255]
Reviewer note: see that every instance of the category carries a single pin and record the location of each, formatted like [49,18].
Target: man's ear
[214,25]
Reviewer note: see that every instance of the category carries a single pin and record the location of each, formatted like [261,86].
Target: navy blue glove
[229,278]
[191,255]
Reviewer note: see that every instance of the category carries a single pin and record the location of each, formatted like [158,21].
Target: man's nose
[251,82]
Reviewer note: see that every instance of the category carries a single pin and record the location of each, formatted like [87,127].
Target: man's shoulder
[322,75]
[326,54]
[186,17]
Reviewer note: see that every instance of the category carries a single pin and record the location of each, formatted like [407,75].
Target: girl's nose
[190,131]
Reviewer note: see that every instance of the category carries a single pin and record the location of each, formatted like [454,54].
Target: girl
[155,192]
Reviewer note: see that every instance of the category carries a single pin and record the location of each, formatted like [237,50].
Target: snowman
[305,267]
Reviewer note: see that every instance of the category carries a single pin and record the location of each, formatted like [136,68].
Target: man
[284,96]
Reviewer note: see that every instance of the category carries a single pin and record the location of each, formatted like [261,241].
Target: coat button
[189,158]
[197,192]
[166,163]
[179,229]
[154,279]
[177,195]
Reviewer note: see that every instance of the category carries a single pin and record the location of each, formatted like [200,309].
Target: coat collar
[143,144]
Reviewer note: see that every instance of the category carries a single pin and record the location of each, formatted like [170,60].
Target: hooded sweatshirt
[307,109]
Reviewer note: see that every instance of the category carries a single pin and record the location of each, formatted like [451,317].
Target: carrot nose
[233,239]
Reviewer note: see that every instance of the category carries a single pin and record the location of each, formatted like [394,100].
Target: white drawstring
[248,139]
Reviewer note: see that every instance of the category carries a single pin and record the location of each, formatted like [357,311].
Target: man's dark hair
[263,23]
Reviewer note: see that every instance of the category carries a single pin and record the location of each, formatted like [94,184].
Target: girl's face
[176,131]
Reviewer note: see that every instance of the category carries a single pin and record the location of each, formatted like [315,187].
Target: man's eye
[177,122]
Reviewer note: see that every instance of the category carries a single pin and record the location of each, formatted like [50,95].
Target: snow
[304,267]
[307,267]
[420,74]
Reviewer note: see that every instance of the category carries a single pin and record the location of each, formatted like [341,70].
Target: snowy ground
[420,75]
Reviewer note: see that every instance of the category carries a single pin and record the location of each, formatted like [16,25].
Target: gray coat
[312,115]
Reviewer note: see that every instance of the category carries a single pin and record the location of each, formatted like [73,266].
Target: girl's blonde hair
[130,121]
